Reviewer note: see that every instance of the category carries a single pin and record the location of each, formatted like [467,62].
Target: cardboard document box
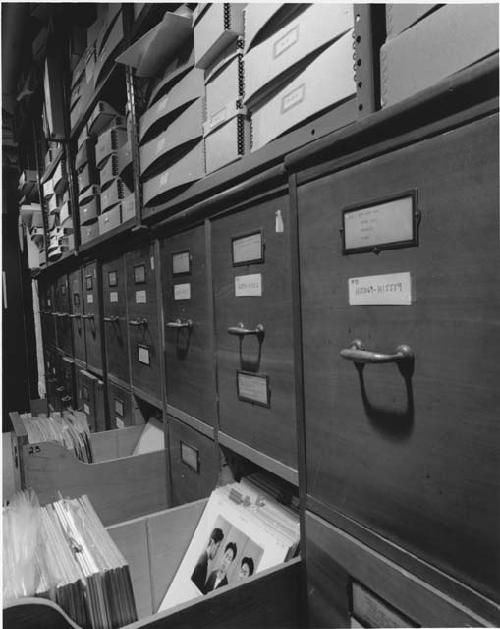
[87,177]
[312,29]
[124,157]
[59,177]
[53,205]
[102,117]
[90,61]
[76,94]
[446,41]
[76,113]
[180,66]
[215,27]
[86,153]
[109,171]
[188,89]
[112,195]
[264,18]
[90,211]
[48,188]
[109,142]
[110,219]
[128,207]
[65,212]
[187,169]
[328,80]
[86,196]
[224,84]
[185,128]
[112,40]
[89,232]
[399,17]
[67,226]
[225,137]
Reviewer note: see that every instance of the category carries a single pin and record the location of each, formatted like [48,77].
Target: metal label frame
[244,398]
[112,279]
[258,260]
[147,348]
[89,283]
[412,242]
[141,279]
[186,462]
[120,411]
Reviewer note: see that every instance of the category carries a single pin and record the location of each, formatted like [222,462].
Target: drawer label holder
[392,289]
[248,249]
[190,457]
[143,354]
[248,285]
[253,389]
[181,263]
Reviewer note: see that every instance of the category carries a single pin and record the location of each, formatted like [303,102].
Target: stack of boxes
[427,43]
[298,62]
[30,213]
[60,221]
[218,50]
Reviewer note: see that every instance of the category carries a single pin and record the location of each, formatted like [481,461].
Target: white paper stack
[242,531]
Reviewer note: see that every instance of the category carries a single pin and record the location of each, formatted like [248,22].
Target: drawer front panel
[145,346]
[92,323]
[63,320]
[48,321]
[190,369]
[90,396]
[407,448]
[251,267]
[77,297]
[115,318]
[194,463]
[119,406]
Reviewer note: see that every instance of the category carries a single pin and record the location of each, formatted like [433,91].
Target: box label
[163,103]
[181,263]
[252,388]
[182,292]
[112,278]
[143,354]
[113,297]
[140,296]
[86,409]
[90,299]
[119,422]
[393,289]
[248,249]
[377,225]
[190,457]
[164,179]
[373,611]
[293,98]
[286,41]
[248,285]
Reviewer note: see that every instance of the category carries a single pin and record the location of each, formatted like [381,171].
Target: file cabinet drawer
[254,337]
[91,318]
[407,451]
[91,400]
[48,321]
[68,381]
[190,378]
[76,295]
[144,333]
[63,320]
[119,406]
[115,319]
[194,462]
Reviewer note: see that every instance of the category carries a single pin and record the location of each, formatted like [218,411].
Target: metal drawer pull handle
[358,354]
[180,324]
[75,316]
[241,330]
[62,314]
[138,322]
[112,319]
[87,316]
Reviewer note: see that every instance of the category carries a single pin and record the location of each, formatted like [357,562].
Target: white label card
[113,297]
[90,299]
[189,456]
[389,222]
[182,292]
[247,248]
[393,289]
[86,409]
[248,285]
[253,389]
[181,263]
[143,355]
[140,296]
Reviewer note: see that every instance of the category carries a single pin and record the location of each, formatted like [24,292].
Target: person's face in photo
[226,561]
[213,547]
[244,572]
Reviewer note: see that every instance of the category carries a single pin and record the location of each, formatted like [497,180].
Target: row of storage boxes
[426,424]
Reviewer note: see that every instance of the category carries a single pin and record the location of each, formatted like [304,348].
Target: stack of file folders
[62,552]
[70,430]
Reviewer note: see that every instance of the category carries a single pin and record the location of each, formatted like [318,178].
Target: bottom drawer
[194,462]
[91,400]
[119,406]
[349,584]
[153,547]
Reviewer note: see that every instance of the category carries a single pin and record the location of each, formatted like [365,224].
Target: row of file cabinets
[405,450]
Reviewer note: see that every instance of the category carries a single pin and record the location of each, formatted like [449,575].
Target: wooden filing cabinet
[91,400]
[91,317]
[194,462]
[62,315]
[68,381]
[190,377]
[403,441]
[116,327]
[254,335]
[144,333]
[77,299]
[120,406]
[47,307]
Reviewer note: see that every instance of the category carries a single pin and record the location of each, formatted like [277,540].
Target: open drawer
[154,547]
[119,484]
